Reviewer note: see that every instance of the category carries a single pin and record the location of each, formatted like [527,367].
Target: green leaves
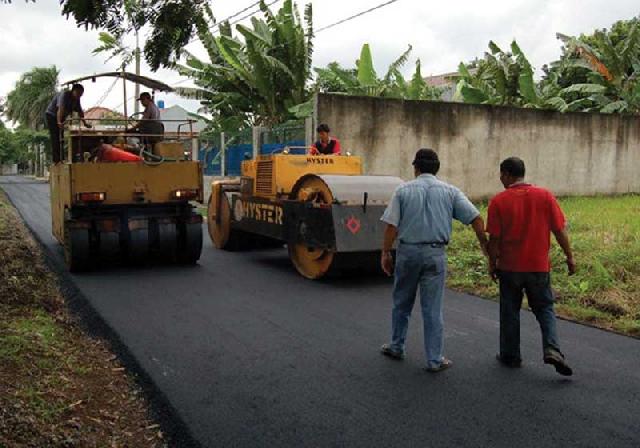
[256,76]
[366,73]
[363,80]
[28,101]
[584,88]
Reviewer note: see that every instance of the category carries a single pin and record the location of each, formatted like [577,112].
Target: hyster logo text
[320,161]
[269,213]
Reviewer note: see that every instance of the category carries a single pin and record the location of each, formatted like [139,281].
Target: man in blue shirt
[62,105]
[420,216]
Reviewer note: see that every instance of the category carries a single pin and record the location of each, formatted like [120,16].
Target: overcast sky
[442,34]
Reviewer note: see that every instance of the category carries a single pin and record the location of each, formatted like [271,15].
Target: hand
[571,265]
[484,246]
[493,273]
[386,262]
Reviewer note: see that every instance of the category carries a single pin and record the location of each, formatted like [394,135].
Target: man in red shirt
[520,221]
[325,145]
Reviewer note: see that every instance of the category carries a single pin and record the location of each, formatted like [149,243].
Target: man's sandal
[444,364]
[386,350]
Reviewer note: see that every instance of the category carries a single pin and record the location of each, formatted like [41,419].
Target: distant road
[252,355]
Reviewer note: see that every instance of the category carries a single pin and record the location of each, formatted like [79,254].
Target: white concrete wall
[8,170]
[571,154]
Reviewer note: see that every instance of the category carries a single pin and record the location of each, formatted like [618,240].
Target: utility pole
[136,107]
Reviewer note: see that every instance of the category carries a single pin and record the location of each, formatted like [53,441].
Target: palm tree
[27,103]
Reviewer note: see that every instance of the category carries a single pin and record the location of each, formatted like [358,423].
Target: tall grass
[605,235]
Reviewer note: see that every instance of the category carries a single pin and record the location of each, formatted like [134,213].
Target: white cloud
[442,35]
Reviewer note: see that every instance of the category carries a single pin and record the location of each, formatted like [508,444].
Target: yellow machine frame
[275,175]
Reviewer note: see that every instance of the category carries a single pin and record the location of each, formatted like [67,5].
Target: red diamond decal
[353,224]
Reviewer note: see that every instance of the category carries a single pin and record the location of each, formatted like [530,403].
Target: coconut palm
[27,102]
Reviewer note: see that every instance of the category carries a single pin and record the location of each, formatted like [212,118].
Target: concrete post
[309,133]
[223,154]
[195,147]
[257,140]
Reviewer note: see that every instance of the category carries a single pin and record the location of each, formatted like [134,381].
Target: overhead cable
[355,16]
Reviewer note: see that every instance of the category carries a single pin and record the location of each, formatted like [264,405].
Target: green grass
[605,235]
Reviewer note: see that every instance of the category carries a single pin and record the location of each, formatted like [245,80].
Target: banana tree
[502,78]
[603,69]
[257,75]
[363,79]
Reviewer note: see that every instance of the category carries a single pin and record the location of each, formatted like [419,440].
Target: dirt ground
[59,387]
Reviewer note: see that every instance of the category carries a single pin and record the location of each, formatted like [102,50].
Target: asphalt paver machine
[321,206]
[120,195]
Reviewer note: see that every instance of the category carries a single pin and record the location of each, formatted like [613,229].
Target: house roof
[179,113]
[444,79]
[97,112]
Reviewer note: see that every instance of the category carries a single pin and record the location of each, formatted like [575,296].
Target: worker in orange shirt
[325,145]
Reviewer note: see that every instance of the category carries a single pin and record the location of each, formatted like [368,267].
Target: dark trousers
[537,286]
[55,134]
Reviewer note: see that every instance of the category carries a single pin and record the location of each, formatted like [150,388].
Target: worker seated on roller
[325,145]
[149,126]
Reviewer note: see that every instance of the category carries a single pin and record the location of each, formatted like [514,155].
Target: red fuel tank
[108,153]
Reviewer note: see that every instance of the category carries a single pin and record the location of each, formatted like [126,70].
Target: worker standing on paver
[61,106]
[520,220]
[420,216]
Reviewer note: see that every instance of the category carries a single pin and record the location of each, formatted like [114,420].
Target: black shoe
[556,359]
[386,350]
[513,363]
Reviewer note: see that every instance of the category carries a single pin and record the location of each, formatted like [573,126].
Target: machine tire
[139,246]
[167,241]
[221,233]
[108,244]
[191,243]
[77,248]
[312,263]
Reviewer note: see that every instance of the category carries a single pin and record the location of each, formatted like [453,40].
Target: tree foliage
[599,72]
[363,79]
[27,102]
[257,75]
[18,146]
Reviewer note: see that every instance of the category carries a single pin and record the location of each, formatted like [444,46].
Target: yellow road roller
[321,206]
[120,194]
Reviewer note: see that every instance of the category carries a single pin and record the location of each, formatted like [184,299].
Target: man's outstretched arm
[562,237]
[478,227]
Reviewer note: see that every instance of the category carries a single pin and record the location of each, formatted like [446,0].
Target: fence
[240,146]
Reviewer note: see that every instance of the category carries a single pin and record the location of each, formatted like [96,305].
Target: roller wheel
[167,240]
[109,244]
[191,240]
[221,233]
[312,263]
[139,246]
[77,249]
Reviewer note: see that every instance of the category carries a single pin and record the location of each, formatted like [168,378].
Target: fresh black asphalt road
[249,354]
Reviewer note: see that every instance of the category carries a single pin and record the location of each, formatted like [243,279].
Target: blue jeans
[424,266]
[537,286]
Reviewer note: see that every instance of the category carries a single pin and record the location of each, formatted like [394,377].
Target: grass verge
[605,235]
[58,386]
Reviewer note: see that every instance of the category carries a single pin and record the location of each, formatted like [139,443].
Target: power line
[252,14]
[236,14]
[355,16]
